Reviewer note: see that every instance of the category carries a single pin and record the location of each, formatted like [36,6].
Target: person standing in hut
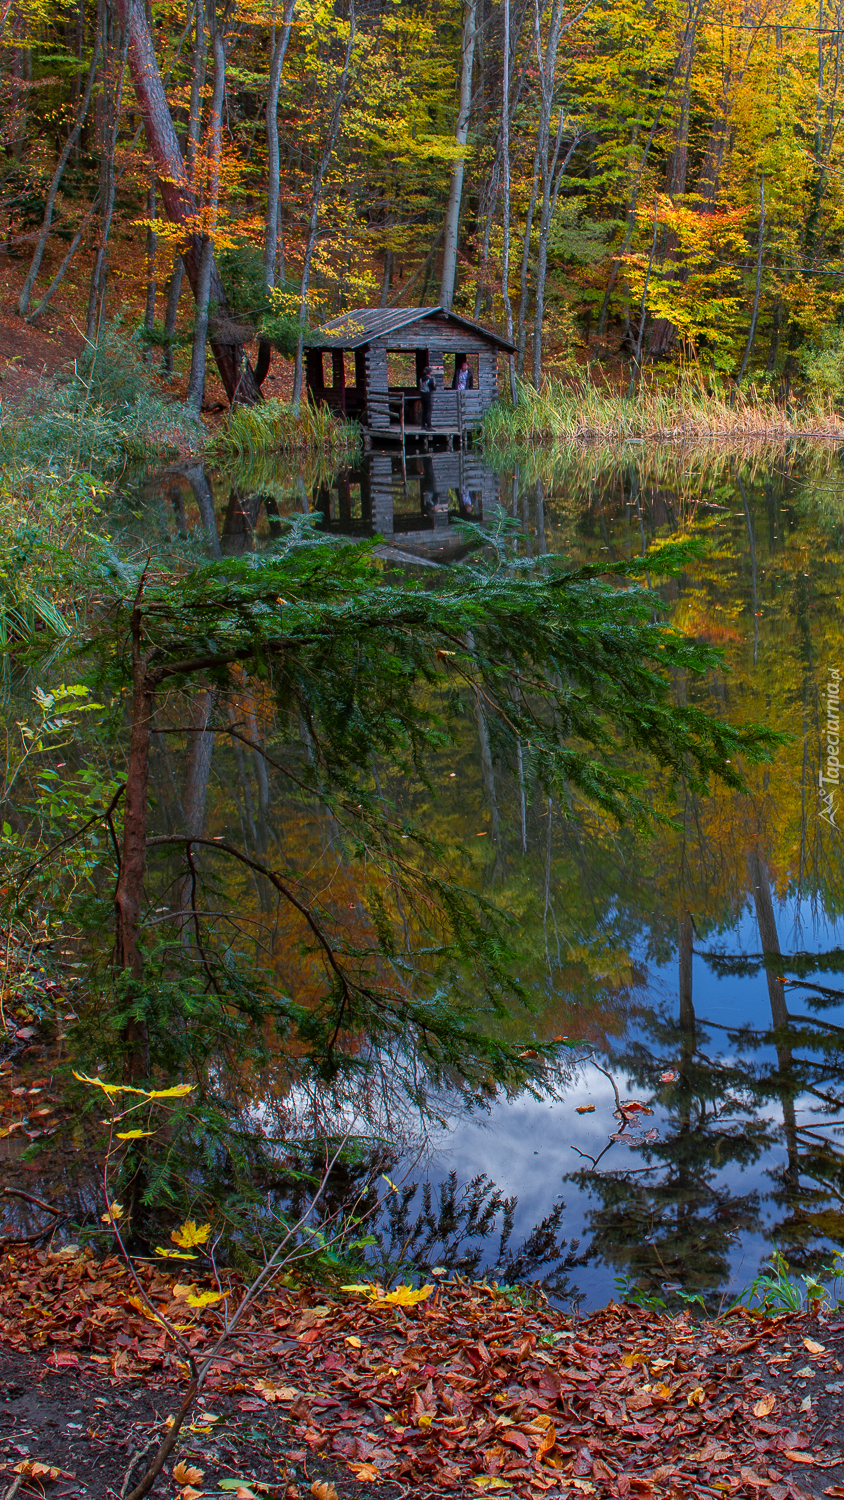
[463,380]
[427,386]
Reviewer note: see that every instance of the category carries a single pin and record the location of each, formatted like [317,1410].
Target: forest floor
[473,1390]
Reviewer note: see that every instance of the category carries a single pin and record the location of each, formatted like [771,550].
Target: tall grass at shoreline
[276,427]
[686,411]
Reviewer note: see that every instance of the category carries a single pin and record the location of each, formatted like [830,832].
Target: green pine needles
[348,684]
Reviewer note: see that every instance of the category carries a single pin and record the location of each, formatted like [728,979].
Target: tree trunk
[273,161]
[96,296]
[662,332]
[174,291]
[152,246]
[225,336]
[751,337]
[43,233]
[551,180]
[316,196]
[461,136]
[547,65]
[505,193]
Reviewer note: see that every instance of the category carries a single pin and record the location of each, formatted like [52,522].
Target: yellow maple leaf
[401,1296]
[114,1212]
[190,1234]
[204,1299]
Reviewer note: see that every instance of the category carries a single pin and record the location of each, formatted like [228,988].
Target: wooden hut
[377,359]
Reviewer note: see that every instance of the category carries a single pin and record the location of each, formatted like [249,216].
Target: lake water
[698,971]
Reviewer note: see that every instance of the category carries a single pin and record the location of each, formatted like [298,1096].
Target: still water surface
[698,972]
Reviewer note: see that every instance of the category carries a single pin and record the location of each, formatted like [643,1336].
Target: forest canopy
[608,179]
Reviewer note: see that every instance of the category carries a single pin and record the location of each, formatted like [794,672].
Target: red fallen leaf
[516,1439]
[61,1359]
[835,1489]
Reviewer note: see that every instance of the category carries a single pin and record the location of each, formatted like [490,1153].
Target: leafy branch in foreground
[366,678]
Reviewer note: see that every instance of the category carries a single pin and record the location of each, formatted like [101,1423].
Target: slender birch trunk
[96,296]
[55,183]
[273,157]
[196,382]
[316,198]
[505,193]
[461,136]
[551,180]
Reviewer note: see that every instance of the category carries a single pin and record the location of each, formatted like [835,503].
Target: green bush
[100,413]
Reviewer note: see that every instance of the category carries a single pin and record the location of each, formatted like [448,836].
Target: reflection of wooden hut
[412,499]
[377,359]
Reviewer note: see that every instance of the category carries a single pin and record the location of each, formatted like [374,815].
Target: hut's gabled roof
[355,329]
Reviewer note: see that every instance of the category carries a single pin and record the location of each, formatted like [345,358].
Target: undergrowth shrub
[100,414]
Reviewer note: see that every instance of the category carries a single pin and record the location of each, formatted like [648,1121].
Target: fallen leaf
[354,1341]
[835,1489]
[814,1348]
[32,1469]
[205,1299]
[696,1397]
[275,1392]
[189,1493]
[764,1407]
[186,1474]
[548,1442]
[402,1296]
[365,1471]
[586,1109]
[490,1482]
[794,1456]
[424,1420]
[321,1490]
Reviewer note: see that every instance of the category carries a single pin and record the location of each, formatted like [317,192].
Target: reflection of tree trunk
[767,922]
[199,483]
[487,768]
[684,1185]
[200,749]
[128,896]
[687,1009]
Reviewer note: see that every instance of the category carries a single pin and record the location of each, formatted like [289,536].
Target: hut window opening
[401,369]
